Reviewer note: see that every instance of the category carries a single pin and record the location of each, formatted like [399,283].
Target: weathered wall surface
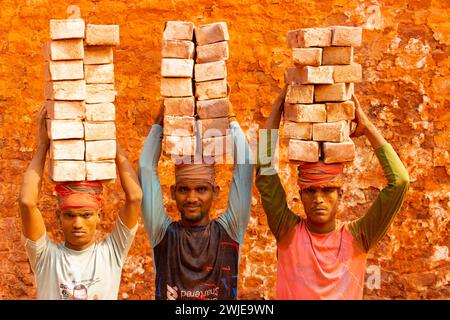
[405,58]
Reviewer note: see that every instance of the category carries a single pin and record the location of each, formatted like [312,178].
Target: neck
[188,223]
[79,247]
[321,227]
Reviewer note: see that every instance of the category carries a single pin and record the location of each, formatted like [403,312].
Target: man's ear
[216,191]
[99,215]
[340,193]
[172,191]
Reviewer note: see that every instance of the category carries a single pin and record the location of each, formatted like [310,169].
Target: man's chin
[192,217]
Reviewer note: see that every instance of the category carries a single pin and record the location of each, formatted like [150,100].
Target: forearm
[374,136]
[128,178]
[273,121]
[32,180]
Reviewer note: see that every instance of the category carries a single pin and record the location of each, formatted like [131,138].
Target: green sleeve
[280,218]
[369,229]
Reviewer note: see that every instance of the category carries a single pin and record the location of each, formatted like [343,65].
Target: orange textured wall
[405,58]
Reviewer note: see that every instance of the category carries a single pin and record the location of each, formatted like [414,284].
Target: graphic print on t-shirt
[77,290]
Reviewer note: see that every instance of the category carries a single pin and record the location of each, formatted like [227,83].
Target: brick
[180,146]
[331,131]
[302,131]
[102,35]
[347,73]
[214,108]
[100,93]
[66,90]
[333,92]
[65,129]
[64,70]
[300,94]
[211,89]
[305,112]
[212,52]
[178,30]
[213,127]
[346,36]
[99,73]
[176,87]
[179,106]
[317,75]
[314,37]
[338,152]
[67,29]
[177,68]
[306,151]
[181,49]
[98,55]
[99,131]
[292,75]
[337,55]
[100,112]
[100,170]
[65,110]
[67,149]
[181,126]
[307,56]
[67,49]
[340,111]
[60,170]
[211,33]
[292,38]
[100,150]
[210,71]
[216,146]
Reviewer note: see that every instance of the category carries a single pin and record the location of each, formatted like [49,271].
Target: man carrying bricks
[196,257]
[317,257]
[79,268]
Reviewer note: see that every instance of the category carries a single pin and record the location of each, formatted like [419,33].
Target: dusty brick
[66,29]
[100,112]
[314,37]
[98,55]
[100,93]
[100,170]
[316,75]
[66,49]
[211,33]
[337,55]
[347,73]
[60,170]
[178,30]
[213,127]
[102,35]
[338,152]
[346,36]
[64,70]
[333,92]
[340,111]
[65,110]
[181,126]
[292,38]
[99,73]
[302,131]
[66,90]
[176,87]
[179,106]
[211,89]
[65,129]
[100,150]
[180,146]
[307,56]
[210,71]
[67,150]
[305,112]
[306,151]
[181,49]
[300,94]
[216,146]
[331,131]
[212,52]
[292,75]
[215,108]
[99,131]
[177,68]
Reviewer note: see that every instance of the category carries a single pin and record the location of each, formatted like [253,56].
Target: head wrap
[79,194]
[195,172]
[320,174]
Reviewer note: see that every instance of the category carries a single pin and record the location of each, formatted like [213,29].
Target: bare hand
[361,119]
[159,119]
[41,124]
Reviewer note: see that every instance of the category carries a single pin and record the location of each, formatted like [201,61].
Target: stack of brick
[79,101]
[318,106]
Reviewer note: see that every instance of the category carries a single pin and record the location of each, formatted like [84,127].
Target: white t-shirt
[93,273]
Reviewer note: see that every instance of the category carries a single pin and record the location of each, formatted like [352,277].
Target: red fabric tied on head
[320,174]
[195,172]
[79,194]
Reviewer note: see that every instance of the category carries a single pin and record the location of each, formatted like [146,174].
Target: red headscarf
[195,172]
[320,173]
[79,194]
